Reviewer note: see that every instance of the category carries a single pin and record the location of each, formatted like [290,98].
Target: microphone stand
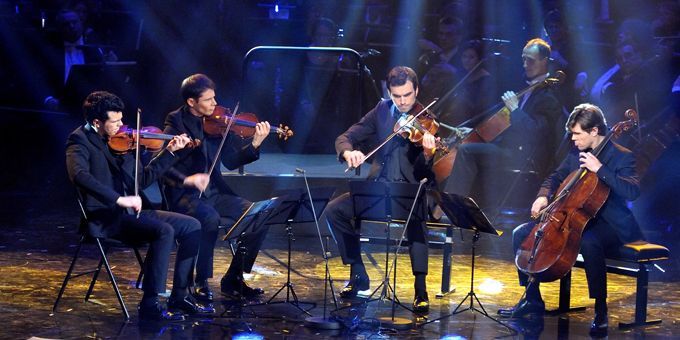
[316,321]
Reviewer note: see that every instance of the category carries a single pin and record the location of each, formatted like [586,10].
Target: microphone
[300,170]
[423,181]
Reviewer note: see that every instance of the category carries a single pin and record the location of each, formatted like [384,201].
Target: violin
[243,124]
[415,129]
[150,137]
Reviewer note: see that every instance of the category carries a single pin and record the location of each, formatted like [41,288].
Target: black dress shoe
[156,312]
[524,308]
[203,293]
[598,329]
[358,283]
[421,304]
[190,306]
[235,288]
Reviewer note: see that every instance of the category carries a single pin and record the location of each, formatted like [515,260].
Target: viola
[243,124]
[415,129]
[550,250]
[150,137]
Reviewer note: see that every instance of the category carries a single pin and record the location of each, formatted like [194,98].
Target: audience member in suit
[71,46]
[105,182]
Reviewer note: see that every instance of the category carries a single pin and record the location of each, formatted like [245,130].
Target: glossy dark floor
[37,248]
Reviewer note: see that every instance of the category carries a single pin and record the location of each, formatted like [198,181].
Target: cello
[551,249]
[484,132]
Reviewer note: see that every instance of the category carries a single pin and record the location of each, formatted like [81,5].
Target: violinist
[528,143]
[105,182]
[399,161]
[612,226]
[191,190]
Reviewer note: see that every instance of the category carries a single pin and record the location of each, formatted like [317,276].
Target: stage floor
[36,250]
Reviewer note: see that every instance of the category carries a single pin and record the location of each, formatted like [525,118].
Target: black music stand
[295,209]
[388,202]
[253,218]
[464,213]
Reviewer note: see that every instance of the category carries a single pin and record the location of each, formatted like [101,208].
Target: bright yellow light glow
[490,286]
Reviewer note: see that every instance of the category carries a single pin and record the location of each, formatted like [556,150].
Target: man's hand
[198,181]
[429,145]
[134,202]
[589,161]
[178,142]
[354,158]
[511,101]
[539,203]
[261,132]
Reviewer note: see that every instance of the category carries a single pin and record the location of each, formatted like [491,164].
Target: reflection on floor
[34,261]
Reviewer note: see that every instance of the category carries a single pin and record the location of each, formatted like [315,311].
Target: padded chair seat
[642,251]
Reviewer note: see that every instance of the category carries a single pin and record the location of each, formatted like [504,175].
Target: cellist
[611,227]
[530,138]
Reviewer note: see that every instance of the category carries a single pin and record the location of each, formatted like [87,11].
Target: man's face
[111,126]
[469,59]
[70,26]
[448,36]
[404,96]
[204,105]
[628,58]
[534,64]
[582,139]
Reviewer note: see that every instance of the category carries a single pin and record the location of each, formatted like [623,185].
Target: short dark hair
[475,45]
[194,85]
[543,47]
[449,20]
[98,103]
[399,75]
[588,116]
[554,16]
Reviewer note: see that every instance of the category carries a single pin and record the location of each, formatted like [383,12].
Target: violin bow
[224,138]
[446,95]
[139,111]
[413,118]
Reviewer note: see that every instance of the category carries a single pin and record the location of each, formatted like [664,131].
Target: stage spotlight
[490,286]
[247,336]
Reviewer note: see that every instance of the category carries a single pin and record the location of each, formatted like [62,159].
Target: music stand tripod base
[320,322]
[400,324]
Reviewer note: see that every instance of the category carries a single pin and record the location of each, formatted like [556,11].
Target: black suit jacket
[101,179]
[535,130]
[236,152]
[617,172]
[409,163]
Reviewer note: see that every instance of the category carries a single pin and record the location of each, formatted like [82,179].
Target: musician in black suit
[188,179]
[71,46]
[105,182]
[612,226]
[398,161]
[529,143]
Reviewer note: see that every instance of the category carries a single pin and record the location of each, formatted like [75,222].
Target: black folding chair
[103,245]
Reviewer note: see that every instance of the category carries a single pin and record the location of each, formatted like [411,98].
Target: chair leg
[68,275]
[565,298]
[140,260]
[113,280]
[95,276]
[642,283]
